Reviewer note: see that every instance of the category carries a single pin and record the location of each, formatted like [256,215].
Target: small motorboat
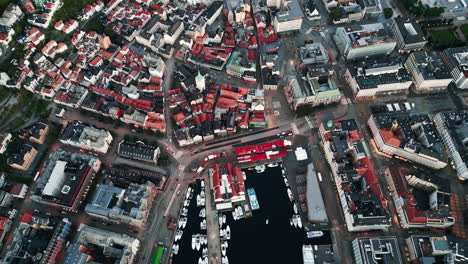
[186,203]
[202,201]
[313,234]
[224,219]
[295,208]
[189,190]
[202,213]
[204,252]
[244,175]
[228,232]
[197,242]
[299,221]
[198,200]
[178,235]
[290,195]
[235,215]
[183,211]
[286,181]
[175,249]
[267,221]
[205,239]
[291,222]
[272,165]
[202,183]
[283,172]
[260,169]
[223,249]
[200,260]
[224,260]
[202,194]
[184,222]
[203,225]
[220,220]
[294,219]
[240,212]
[194,242]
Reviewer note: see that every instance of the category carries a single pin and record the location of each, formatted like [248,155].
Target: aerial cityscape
[233,131]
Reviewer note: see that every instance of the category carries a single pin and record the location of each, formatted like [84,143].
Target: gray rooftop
[317,212]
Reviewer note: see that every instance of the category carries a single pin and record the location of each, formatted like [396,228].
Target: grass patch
[443,36]
[69,10]
[464,30]
[3,5]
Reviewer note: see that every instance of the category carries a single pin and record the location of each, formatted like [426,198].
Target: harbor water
[253,240]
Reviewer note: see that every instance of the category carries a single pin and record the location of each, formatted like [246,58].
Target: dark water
[186,255]
[254,241]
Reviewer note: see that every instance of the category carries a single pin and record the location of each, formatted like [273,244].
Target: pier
[212,227]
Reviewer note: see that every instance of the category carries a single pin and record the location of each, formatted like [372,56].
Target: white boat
[205,260]
[204,252]
[202,183]
[226,243]
[228,232]
[197,242]
[299,221]
[189,190]
[286,181]
[272,165]
[200,260]
[198,200]
[178,235]
[234,214]
[220,220]
[260,169]
[221,232]
[244,175]
[223,249]
[183,211]
[184,222]
[313,234]
[194,242]
[294,219]
[205,239]
[240,212]
[290,195]
[202,194]
[224,219]
[224,260]
[186,203]
[295,208]
[291,222]
[202,213]
[267,221]
[175,249]
[203,225]
[283,172]
[202,201]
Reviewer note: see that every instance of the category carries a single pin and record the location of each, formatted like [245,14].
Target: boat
[299,221]
[189,190]
[197,242]
[295,208]
[205,260]
[202,183]
[313,234]
[202,213]
[253,199]
[224,219]
[175,249]
[178,235]
[240,212]
[194,242]
[202,201]
[308,254]
[244,175]
[204,252]
[200,260]
[198,200]
[286,182]
[202,194]
[267,221]
[184,211]
[184,222]
[203,225]
[223,249]
[224,260]
[205,239]
[283,172]
[220,220]
[228,232]
[260,169]
[272,165]
[291,222]
[221,232]
[290,195]
[294,219]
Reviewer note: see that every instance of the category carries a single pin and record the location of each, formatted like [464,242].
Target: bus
[158,254]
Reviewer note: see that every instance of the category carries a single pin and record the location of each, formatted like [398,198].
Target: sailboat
[228,232]
[290,195]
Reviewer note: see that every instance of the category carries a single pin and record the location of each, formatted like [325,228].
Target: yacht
[198,200]
[204,252]
[205,239]
[224,260]
[267,221]
[244,175]
[220,220]
[202,194]
[313,234]
[224,219]
[228,232]
[184,211]
[202,213]
[175,249]
[189,190]
[203,225]
[240,213]
[290,195]
[286,181]
[194,242]
[294,220]
[197,242]
[186,203]
[178,235]
[184,222]
[234,214]
[202,183]
[272,165]
[200,260]
[299,221]
[291,222]
[202,201]
[295,208]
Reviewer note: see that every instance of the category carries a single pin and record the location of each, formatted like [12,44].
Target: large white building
[453,130]
[456,60]
[86,137]
[289,17]
[364,40]
[429,73]
[376,78]
[409,136]
[376,250]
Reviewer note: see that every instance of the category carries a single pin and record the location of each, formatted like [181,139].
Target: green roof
[157,255]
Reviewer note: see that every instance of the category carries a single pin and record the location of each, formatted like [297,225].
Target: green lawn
[443,36]
[464,30]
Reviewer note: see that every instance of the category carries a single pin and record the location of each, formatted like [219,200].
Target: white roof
[301,154]
[56,179]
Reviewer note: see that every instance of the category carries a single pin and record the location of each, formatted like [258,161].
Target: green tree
[334,13]
[388,12]
[434,11]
